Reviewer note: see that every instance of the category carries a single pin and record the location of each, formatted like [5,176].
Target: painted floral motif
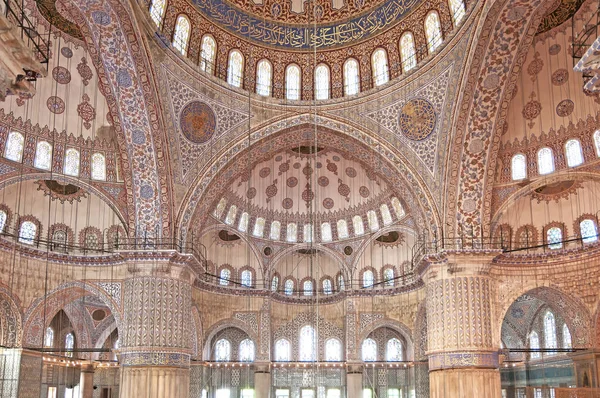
[66,52]
[264,172]
[55,105]
[292,182]
[535,66]
[85,71]
[560,77]
[328,203]
[61,75]
[565,108]
[351,172]
[287,203]
[251,193]
[86,111]
[323,181]
[364,192]
[554,49]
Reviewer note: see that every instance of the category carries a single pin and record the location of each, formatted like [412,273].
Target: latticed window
[588,231]
[566,335]
[49,337]
[27,232]
[181,36]
[368,278]
[388,276]
[398,209]
[408,52]
[385,214]
[393,393]
[545,161]
[369,350]
[534,344]
[342,229]
[333,350]
[264,72]
[308,287]
[224,277]
[573,153]
[526,237]
[341,283]
[14,147]
[322,82]
[379,62]
[230,218]
[275,230]
[307,345]
[327,286]
[98,167]
[275,283]
[282,350]
[259,227]
[71,167]
[59,239]
[235,68]
[247,278]
[208,53]
[326,235]
[157,11]
[597,142]
[292,232]
[43,156]
[69,344]
[220,207]
[549,330]
[351,77]
[289,287]
[373,221]
[247,350]
[393,350]
[457,9]
[357,223]
[518,167]
[433,31]
[554,238]
[243,224]
[308,233]
[292,82]
[3,218]
[223,350]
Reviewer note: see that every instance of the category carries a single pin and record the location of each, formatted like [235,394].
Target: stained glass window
[308,233]
[368,278]
[307,344]
[90,238]
[220,207]
[282,350]
[43,156]
[223,350]
[549,330]
[289,287]
[157,11]
[235,69]
[433,31]
[357,223]
[49,337]
[457,10]
[27,232]
[322,82]
[554,237]
[208,53]
[341,283]
[386,216]
[308,287]
[393,393]
[393,350]
[373,221]
[292,82]
[388,275]
[259,227]
[534,344]
[333,350]
[243,224]
[567,343]
[69,344]
[98,167]
[3,217]
[275,283]
[14,147]
[71,167]
[182,34]
[342,229]
[351,77]
[326,235]
[292,232]
[398,209]
[526,237]
[369,350]
[247,350]
[264,71]
[597,142]
[230,218]
[327,286]
[518,167]
[379,63]
[545,161]
[224,277]
[275,230]
[573,152]
[588,231]
[247,278]
[408,52]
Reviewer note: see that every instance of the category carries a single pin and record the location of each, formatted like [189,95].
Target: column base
[464,383]
[154,382]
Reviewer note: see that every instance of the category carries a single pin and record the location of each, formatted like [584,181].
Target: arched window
[259,227]
[379,63]
[14,147]
[433,31]
[243,224]
[597,142]
[3,218]
[157,11]
[224,277]
[208,54]
[327,286]
[373,221]
[518,167]
[43,156]
[342,229]
[230,218]
[351,77]
[235,68]
[322,82]
[333,350]
[369,350]
[247,278]
[408,52]
[549,330]
[534,344]
[292,232]
[398,209]
[357,223]
[545,161]
[98,167]
[386,216]
[264,72]
[247,350]
[275,230]
[326,235]
[275,283]
[457,10]
[69,344]
[307,287]
[181,37]
[289,287]
[368,278]
[220,207]
[341,283]
[393,350]
[49,337]
[71,167]
[307,345]
[388,276]
[282,350]
[573,153]
[566,334]
[223,350]
[588,231]
[554,238]
[27,232]
[292,82]
[308,233]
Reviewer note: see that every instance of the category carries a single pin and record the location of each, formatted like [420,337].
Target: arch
[322,82]
[72,165]
[373,237]
[235,68]
[43,155]
[321,248]
[398,327]
[182,33]
[518,167]
[379,65]
[98,165]
[433,31]
[293,78]
[408,53]
[457,11]
[208,53]
[573,153]
[221,325]
[244,237]
[157,11]
[264,78]
[351,77]
[15,144]
[11,327]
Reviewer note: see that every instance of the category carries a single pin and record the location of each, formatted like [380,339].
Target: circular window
[98,315]
[267,251]
[348,250]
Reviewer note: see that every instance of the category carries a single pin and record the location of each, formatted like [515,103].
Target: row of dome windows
[555,236]
[264,70]
[15,145]
[308,230]
[545,158]
[550,338]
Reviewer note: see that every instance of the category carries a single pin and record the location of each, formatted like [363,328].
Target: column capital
[452,264]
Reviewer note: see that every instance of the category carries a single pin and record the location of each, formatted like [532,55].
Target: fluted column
[156,332]
[463,356]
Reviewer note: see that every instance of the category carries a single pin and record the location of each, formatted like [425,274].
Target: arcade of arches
[299,199]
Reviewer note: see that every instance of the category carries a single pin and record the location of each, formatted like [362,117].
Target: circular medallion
[296,165]
[328,203]
[251,194]
[292,182]
[532,110]
[336,158]
[287,203]
[66,52]
[61,75]
[55,105]
[364,192]
[535,67]
[264,172]
[271,190]
[197,122]
[307,170]
[323,181]
[344,190]
[351,172]
[332,167]
[417,119]
[319,165]
[284,167]
[560,77]
[554,49]
[308,195]
[565,108]
[278,158]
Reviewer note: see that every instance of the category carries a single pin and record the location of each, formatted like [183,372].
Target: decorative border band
[453,360]
[155,359]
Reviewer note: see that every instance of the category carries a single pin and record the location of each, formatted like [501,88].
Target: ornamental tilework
[113,289]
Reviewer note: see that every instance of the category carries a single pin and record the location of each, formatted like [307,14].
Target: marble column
[262,380]
[354,376]
[156,332]
[462,351]
[86,381]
